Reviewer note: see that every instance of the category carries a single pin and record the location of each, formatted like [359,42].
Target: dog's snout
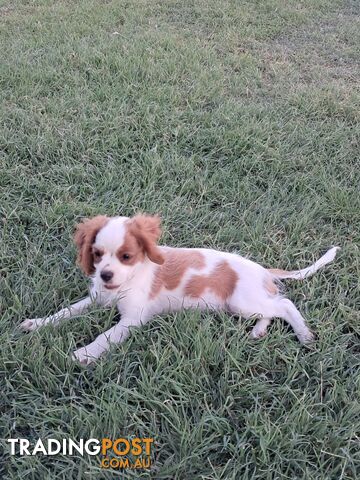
[106,275]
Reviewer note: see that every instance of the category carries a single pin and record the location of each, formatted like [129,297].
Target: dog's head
[112,248]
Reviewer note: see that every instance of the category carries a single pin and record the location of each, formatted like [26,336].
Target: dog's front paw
[84,355]
[31,324]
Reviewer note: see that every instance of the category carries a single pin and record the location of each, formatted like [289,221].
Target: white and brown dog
[128,268]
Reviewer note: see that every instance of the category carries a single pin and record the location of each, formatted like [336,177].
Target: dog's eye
[125,256]
[97,254]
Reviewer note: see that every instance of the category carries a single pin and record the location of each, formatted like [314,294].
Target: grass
[239,123]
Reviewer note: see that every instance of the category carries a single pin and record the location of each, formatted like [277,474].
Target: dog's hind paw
[83,356]
[306,338]
[31,324]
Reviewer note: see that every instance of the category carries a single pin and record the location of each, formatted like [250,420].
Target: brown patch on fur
[97,254]
[132,248]
[221,281]
[84,238]
[270,286]
[146,230]
[177,261]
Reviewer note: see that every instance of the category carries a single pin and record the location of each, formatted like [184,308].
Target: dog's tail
[305,272]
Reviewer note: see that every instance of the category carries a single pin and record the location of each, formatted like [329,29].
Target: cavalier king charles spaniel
[129,269]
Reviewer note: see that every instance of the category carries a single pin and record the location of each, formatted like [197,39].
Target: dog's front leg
[102,343]
[68,312]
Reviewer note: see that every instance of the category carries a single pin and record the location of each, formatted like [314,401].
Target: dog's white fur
[155,280]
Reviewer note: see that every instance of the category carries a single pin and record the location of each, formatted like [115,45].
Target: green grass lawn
[238,122]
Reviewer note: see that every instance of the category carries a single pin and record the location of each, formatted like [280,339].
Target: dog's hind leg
[288,311]
[267,308]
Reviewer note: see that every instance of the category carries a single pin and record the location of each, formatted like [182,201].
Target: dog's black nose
[106,275]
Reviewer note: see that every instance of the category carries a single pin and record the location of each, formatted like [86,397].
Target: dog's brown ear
[146,229]
[84,238]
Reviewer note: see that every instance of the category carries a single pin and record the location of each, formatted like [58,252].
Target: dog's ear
[146,229]
[84,237]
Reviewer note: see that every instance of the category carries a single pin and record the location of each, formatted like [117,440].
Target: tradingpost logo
[118,453]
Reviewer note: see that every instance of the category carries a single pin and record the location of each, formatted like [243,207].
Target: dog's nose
[106,275]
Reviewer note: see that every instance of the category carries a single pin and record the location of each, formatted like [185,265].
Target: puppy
[130,270]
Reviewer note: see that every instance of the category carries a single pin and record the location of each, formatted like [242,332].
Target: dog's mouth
[111,287]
